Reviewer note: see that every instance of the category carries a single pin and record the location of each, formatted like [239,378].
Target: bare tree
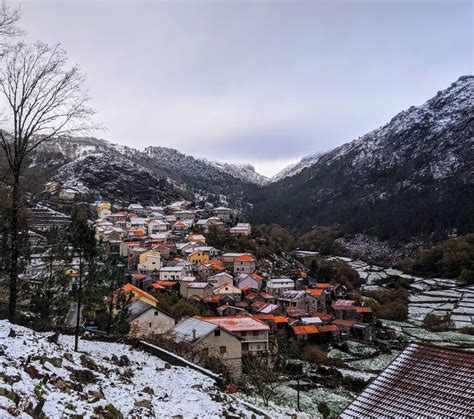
[8,19]
[45,100]
[264,379]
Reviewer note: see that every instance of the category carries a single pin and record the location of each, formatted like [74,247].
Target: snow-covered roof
[192,329]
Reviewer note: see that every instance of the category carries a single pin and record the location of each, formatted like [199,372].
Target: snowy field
[95,382]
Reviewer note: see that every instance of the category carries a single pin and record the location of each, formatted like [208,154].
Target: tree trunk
[15,247]
[79,302]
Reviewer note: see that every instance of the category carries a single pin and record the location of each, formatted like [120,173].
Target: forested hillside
[413,176]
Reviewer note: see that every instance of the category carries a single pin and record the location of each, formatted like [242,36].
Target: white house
[172,273]
[276,286]
[145,319]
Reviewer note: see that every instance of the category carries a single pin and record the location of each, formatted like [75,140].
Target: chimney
[194,334]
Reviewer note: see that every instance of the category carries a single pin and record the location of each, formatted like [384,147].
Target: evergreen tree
[84,245]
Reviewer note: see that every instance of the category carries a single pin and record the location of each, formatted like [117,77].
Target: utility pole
[298,394]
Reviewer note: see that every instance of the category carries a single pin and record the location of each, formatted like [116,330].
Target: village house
[253,332]
[277,286]
[157,226]
[220,279]
[244,264]
[228,290]
[212,340]
[145,319]
[209,268]
[185,214]
[225,214]
[212,252]
[172,273]
[252,281]
[300,300]
[149,261]
[344,309]
[103,209]
[136,208]
[197,238]
[197,257]
[241,229]
[183,284]
[197,289]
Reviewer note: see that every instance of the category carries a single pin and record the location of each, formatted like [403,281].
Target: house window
[259,347]
[149,324]
[156,313]
[223,349]
[243,333]
[217,332]
[255,333]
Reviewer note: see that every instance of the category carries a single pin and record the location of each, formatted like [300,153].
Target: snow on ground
[96,381]
[375,364]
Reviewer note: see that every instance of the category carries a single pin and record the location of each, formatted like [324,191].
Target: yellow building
[102,206]
[198,257]
[149,261]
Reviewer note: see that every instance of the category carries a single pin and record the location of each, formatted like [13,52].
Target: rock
[148,390]
[33,372]
[14,411]
[124,361]
[95,395]
[12,334]
[60,384]
[108,411]
[83,376]
[68,356]
[144,403]
[167,366]
[56,361]
[197,386]
[88,362]
[114,359]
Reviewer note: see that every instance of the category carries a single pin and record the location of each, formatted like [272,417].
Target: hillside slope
[413,176]
[157,175]
[39,377]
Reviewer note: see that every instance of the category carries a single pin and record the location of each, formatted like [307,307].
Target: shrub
[436,323]
[315,355]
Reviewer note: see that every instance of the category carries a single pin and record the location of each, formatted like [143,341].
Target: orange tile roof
[257,277]
[163,284]
[271,317]
[323,285]
[244,258]
[328,328]
[305,330]
[138,293]
[280,319]
[314,292]
[363,310]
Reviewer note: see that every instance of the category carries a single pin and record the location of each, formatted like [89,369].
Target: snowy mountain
[245,172]
[412,176]
[39,378]
[96,168]
[156,175]
[296,168]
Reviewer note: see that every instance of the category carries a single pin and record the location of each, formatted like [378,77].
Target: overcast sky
[264,82]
